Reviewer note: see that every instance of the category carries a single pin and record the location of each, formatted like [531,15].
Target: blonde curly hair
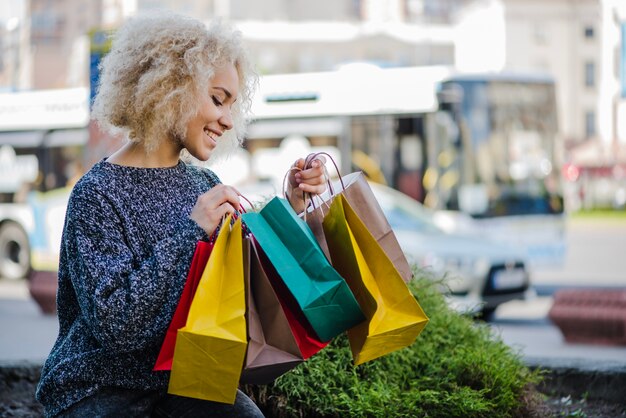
[159,66]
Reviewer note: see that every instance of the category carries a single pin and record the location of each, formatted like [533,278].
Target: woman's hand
[212,206]
[310,180]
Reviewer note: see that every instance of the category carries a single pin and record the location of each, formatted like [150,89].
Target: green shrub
[455,368]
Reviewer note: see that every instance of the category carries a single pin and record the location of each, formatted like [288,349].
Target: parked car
[481,274]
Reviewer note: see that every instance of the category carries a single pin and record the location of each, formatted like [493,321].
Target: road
[27,334]
[595,255]
[595,258]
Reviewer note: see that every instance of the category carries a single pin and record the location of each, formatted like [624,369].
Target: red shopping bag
[200,258]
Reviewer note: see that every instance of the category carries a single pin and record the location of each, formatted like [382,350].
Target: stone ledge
[18,381]
[602,381]
[594,380]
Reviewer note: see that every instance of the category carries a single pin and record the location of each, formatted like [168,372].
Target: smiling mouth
[211,134]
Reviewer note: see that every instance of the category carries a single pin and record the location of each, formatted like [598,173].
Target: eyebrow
[226,92]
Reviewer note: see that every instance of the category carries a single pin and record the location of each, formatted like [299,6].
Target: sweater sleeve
[127,302]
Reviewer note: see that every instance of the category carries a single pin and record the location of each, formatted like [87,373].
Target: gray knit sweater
[126,249]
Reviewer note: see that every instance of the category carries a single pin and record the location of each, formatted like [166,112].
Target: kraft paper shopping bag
[272,346]
[394,317]
[308,343]
[358,193]
[210,349]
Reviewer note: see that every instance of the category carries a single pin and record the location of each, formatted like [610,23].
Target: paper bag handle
[311,157]
[309,160]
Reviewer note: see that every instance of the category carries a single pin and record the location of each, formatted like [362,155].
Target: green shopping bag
[319,291]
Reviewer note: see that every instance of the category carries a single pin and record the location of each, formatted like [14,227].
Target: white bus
[483,145]
[42,139]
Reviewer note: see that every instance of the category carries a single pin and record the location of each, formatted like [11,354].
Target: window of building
[590,74]
[590,123]
[589,32]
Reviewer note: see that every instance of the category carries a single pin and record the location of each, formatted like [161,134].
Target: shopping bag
[272,347]
[320,292]
[307,341]
[198,262]
[394,317]
[211,347]
[358,193]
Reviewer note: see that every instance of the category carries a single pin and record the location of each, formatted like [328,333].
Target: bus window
[508,134]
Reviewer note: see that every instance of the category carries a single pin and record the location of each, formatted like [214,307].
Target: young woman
[173,85]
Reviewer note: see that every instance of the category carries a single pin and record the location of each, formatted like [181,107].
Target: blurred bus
[483,146]
[42,140]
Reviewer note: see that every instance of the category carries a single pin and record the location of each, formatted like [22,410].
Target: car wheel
[14,252]
[487,314]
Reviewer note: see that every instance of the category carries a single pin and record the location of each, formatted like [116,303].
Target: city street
[594,255]
[594,260]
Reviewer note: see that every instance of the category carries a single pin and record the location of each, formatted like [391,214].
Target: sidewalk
[525,327]
[27,334]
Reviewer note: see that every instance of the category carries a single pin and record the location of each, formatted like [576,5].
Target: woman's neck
[134,154]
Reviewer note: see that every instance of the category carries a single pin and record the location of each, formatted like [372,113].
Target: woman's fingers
[317,160]
[212,206]
[220,195]
[311,176]
[313,179]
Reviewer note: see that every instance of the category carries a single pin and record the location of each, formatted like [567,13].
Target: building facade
[564,39]
[46,43]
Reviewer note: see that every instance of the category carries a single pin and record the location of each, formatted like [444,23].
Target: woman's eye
[216,101]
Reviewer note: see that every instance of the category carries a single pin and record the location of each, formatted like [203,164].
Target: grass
[455,368]
[599,215]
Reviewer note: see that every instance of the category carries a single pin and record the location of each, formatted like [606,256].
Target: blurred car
[481,274]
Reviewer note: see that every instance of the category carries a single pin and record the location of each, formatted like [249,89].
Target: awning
[22,139]
[278,128]
[48,139]
[67,137]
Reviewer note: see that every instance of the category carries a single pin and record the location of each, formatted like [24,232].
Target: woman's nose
[226,121]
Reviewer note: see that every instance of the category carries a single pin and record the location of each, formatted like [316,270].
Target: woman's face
[214,117]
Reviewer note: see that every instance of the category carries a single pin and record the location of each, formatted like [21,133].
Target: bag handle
[309,161]
[234,218]
[308,164]
[244,228]
[216,231]
[241,208]
[308,197]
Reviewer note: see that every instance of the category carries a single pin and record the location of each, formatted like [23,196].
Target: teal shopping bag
[319,291]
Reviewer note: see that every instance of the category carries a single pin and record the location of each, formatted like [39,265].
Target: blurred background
[493,131]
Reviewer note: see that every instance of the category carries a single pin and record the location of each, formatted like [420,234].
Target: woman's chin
[202,155]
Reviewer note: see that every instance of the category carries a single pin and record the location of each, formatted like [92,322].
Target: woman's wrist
[295,197]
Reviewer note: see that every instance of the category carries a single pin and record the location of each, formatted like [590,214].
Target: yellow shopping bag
[394,317]
[210,348]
